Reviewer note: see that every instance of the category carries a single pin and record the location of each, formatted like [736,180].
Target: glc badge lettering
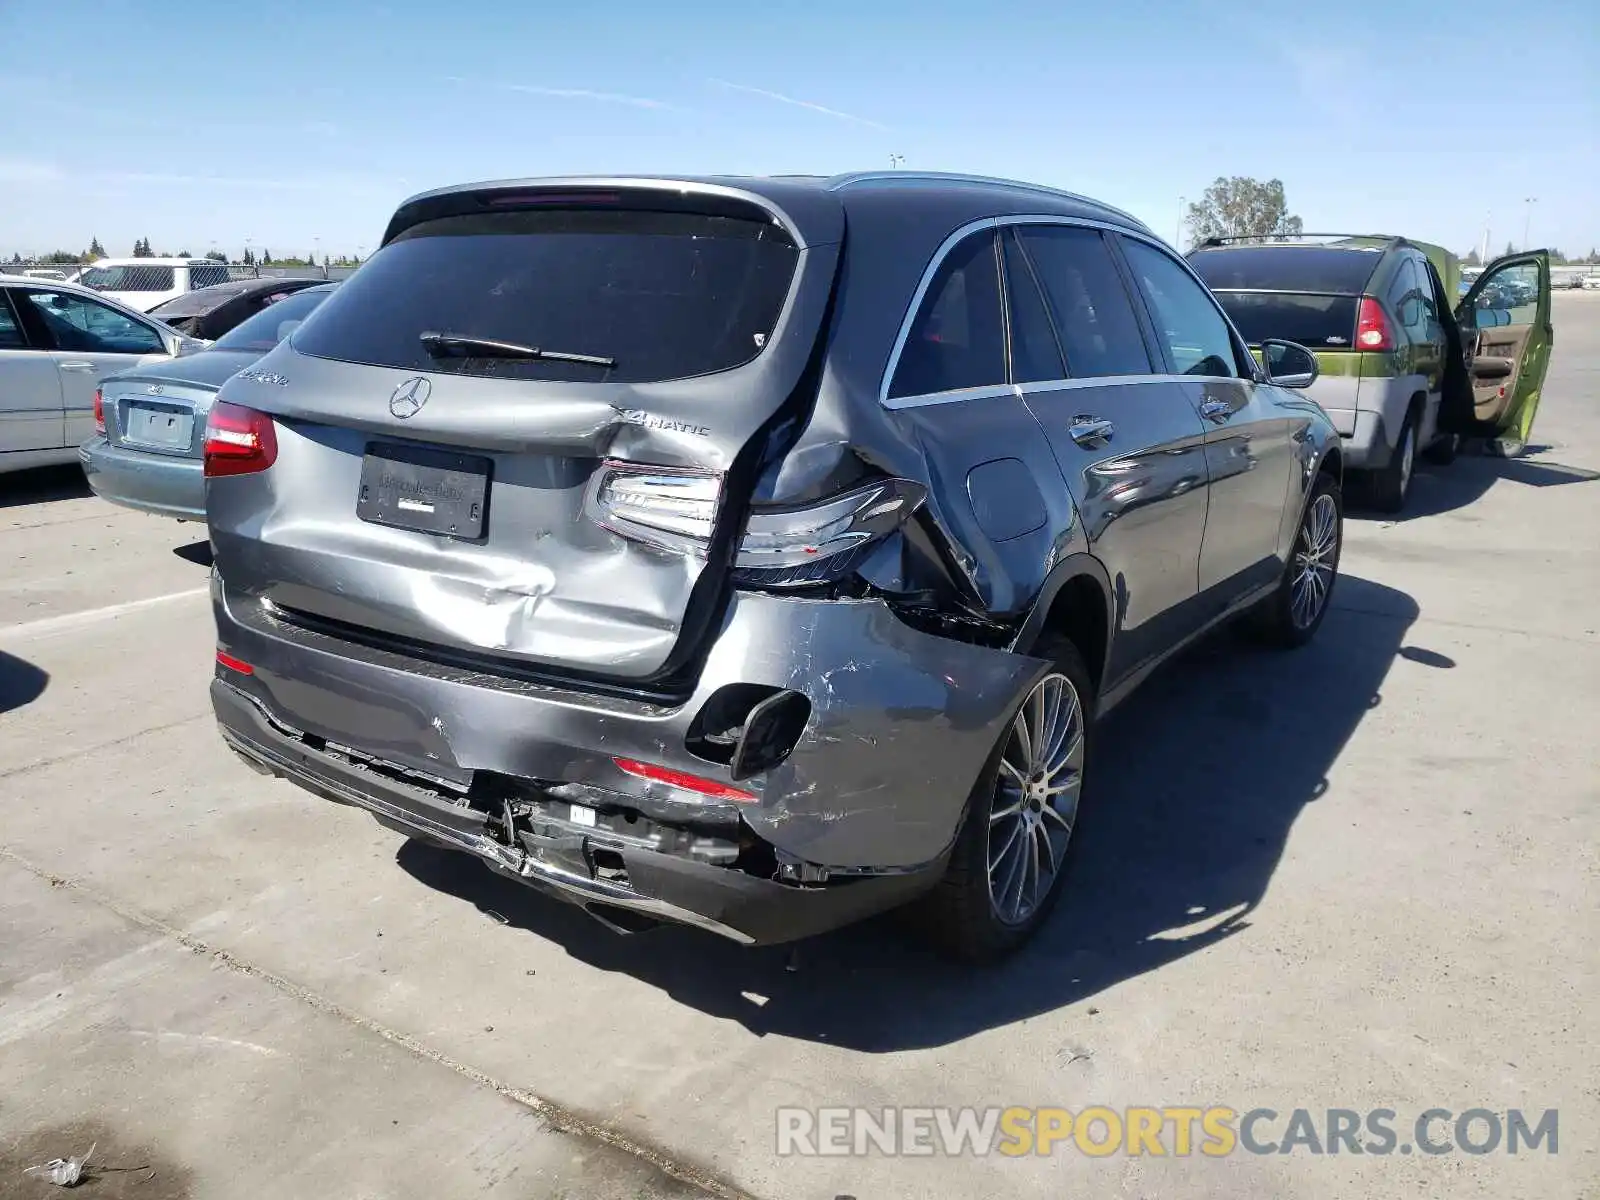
[407,400]
[263,377]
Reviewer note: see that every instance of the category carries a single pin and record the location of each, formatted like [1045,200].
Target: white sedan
[57,341]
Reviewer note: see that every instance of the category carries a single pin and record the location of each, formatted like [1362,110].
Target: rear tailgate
[494,506]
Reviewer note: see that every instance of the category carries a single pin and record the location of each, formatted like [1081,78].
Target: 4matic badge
[637,416]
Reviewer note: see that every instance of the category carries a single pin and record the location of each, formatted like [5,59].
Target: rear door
[89,340]
[1507,334]
[30,389]
[521,434]
[1250,443]
[951,395]
[1127,437]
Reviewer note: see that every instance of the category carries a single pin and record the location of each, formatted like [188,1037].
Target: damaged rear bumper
[659,887]
[856,818]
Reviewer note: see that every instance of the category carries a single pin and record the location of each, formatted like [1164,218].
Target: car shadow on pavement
[20,682]
[1199,778]
[1437,490]
[40,485]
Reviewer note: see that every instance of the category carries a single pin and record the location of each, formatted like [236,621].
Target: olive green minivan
[1405,370]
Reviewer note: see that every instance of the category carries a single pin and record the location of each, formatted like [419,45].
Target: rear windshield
[273,323]
[128,279]
[193,304]
[665,295]
[1318,322]
[1335,271]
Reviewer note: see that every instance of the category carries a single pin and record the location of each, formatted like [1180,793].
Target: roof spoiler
[1388,239]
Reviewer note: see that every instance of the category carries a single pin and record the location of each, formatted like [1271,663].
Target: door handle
[1085,430]
[75,364]
[1216,410]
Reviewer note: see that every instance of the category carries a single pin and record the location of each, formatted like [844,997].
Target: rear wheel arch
[1075,602]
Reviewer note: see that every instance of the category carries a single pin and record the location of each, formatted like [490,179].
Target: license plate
[432,491]
[158,425]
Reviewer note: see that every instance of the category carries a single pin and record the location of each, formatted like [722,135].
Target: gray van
[754,554]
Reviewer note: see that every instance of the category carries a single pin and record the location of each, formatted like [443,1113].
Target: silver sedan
[57,341]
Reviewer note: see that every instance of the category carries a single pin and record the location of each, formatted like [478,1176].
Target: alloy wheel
[1035,799]
[1316,557]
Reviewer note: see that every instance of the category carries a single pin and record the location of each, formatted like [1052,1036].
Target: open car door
[1506,336]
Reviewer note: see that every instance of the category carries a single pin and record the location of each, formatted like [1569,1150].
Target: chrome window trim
[993,223]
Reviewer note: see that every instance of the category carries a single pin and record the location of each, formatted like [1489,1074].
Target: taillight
[239,441]
[801,545]
[99,412]
[664,506]
[791,546]
[1372,327]
[683,781]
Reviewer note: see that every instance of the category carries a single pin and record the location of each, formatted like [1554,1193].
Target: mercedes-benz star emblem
[407,399]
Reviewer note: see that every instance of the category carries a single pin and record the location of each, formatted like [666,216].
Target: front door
[30,392]
[1128,439]
[1251,448]
[90,340]
[1506,333]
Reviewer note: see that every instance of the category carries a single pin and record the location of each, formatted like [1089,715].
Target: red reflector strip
[682,779]
[234,664]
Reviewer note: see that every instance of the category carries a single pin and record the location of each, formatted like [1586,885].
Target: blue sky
[301,125]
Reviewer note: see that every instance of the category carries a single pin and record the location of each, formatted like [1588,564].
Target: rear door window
[1090,303]
[11,336]
[1187,320]
[958,338]
[666,295]
[1036,354]
[76,323]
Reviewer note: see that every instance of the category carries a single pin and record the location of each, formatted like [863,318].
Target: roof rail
[843,181]
[1390,240]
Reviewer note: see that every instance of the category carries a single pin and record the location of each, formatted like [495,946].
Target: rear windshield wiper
[462,345]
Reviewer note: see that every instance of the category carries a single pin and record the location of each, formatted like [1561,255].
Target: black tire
[1275,619]
[1390,486]
[958,915]
[1443,451]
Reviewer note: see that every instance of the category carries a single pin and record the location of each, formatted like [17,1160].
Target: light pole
[1177,232]
[895,160]
[1527,219]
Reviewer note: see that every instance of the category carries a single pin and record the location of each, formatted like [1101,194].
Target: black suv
[756,554]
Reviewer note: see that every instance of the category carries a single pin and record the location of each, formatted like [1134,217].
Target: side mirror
[1410,311]
[1289,364]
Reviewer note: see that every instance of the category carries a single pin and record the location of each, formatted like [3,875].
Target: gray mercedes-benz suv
[756,554]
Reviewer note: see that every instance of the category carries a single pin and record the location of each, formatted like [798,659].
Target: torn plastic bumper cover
[856,818]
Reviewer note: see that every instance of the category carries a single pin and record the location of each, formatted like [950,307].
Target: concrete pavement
[1363,875]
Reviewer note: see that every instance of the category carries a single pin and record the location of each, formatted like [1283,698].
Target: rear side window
[130,278]
[957,340]
[1319,322]
[1335,270]
[1089,301]
[665,295]
[200,277]
[1187,320]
